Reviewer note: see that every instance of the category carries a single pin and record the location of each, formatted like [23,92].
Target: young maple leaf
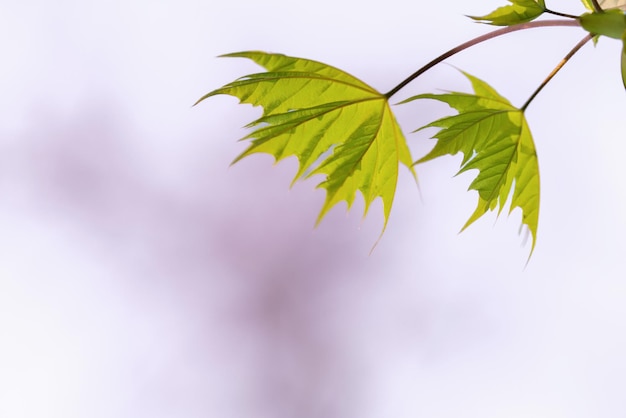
[495,139]
[519,11]
[335,124]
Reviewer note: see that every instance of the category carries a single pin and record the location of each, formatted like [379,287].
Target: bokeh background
[141,276]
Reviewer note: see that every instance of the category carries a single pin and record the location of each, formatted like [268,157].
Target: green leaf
[519,11]
[494,138]
[611,23]
[335,125]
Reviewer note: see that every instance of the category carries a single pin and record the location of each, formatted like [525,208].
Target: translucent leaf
[519,11]
[335,125]
[495,139]
[606,4]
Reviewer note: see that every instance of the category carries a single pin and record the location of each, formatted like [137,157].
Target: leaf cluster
[344,130]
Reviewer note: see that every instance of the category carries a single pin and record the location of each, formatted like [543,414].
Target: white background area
[141,276]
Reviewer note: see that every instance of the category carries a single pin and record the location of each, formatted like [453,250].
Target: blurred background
[141,276]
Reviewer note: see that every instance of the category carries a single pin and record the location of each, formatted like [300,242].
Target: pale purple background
[140,276]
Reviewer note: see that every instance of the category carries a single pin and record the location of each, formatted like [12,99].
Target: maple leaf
[495,139]
[335,124]
[519,11]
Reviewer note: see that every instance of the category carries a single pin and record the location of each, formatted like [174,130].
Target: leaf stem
[476,41]
[597,6]
[552,12]
[557,69]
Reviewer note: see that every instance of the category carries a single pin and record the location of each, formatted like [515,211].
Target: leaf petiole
[476,41]
[597,6]
[557,69]
[552,12]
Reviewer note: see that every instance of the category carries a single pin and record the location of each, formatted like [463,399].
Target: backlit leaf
[606,4]
[494,138]
[519,11]
[335,125]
